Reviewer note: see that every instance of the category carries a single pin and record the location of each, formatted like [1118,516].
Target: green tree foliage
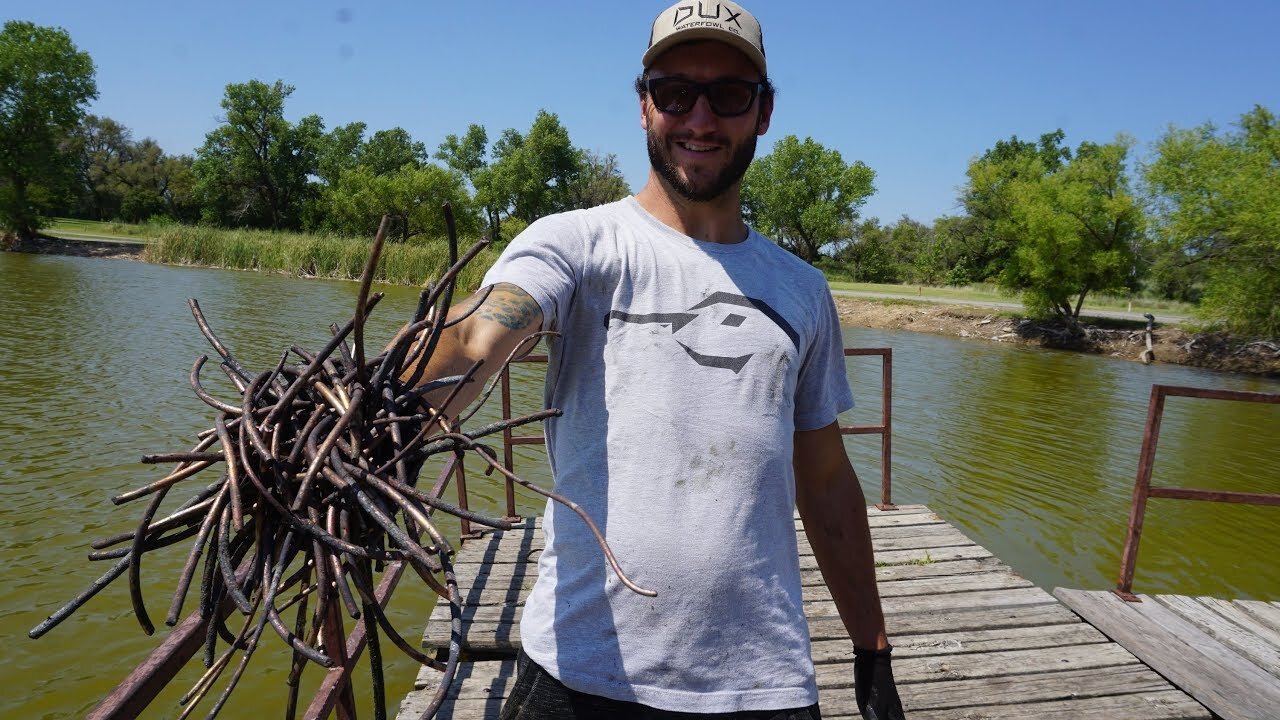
[599,181]
[337,151]
[253,169]
[536,171]
[867,256]
[411,195]
[915,249]
[1075,227]
[1217,205]
[388,174]
[123,179]
[805,196]
[956,237]
[465,154]
[988,196]
[389,150]
[527,175]
[104,146]
[45,83]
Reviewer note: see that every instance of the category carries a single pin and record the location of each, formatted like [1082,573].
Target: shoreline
[1125,340]
[1172,345]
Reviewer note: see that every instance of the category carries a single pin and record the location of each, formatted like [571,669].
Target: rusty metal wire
[318,466]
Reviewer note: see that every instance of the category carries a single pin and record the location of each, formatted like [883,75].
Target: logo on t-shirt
[679,320]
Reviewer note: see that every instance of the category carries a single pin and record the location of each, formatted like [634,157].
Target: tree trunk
[23,222]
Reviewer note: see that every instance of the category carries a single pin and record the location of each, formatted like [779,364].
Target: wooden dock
[972,638]
[1224,654]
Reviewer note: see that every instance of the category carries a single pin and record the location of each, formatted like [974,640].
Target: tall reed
[309,255]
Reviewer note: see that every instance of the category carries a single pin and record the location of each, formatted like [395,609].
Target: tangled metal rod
[318,464]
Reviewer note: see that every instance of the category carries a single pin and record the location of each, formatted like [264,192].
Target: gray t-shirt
[683,368]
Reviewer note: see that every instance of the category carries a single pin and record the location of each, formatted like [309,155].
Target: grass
[309,255]
[989,293]
[127,231]
[926,560]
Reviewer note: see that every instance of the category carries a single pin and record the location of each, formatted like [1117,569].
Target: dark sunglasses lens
[731,98]
[673,96]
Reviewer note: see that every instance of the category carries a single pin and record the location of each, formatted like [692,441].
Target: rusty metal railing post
[1141,491]
[342,698]
[886,437]
[460,479]
[508,450]
[885,427]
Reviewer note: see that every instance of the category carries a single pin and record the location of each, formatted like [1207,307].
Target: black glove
[873,685]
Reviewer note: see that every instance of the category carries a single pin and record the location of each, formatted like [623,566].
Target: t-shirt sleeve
[822,390]
[544,261]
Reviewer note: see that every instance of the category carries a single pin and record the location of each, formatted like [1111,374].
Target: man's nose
[701,116]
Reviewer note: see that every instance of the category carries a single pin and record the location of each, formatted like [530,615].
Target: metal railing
[1142,489]
[335,695]
[885,428]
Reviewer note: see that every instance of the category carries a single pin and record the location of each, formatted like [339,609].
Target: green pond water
[1032,453]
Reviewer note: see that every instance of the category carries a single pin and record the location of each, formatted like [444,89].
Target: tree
[1077,231]
[337,151]
[528,175]
[104,146]
[805,196]
[916,252]
[955,237]
[176,181]
[411,195]
[390,150]
[538,170]
[1217,206]
[465,154]
[988,200]
[599,181]
[253,169]
[120,178]
[45,83]
[867,256]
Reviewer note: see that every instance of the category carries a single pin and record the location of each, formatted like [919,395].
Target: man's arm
[833,508]
[835,519]
[506,316]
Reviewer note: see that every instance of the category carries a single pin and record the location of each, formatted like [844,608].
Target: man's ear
[766,113]
[644,112]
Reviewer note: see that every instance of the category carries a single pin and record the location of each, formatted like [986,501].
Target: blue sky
[913,89]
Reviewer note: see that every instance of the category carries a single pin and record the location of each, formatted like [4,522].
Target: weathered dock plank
[1189,652]
[1266,613]
[1242,640]
[1234,612]
[973,638]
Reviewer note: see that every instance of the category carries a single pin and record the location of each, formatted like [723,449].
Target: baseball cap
[727,22]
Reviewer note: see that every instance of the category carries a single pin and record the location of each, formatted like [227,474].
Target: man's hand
[873,685]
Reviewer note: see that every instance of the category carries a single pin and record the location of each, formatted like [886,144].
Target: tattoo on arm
[510,307]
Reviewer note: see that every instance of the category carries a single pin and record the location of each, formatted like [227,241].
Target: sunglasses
[727,98]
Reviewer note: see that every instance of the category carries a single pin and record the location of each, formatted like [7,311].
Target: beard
[739,160]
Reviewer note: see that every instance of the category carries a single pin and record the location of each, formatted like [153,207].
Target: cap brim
[742,44]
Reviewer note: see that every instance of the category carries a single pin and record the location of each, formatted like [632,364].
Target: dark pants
[539,696]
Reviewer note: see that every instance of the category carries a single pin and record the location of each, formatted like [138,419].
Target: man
[700,371]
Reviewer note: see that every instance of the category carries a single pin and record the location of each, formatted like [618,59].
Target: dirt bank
[78,248]
[1118,338]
